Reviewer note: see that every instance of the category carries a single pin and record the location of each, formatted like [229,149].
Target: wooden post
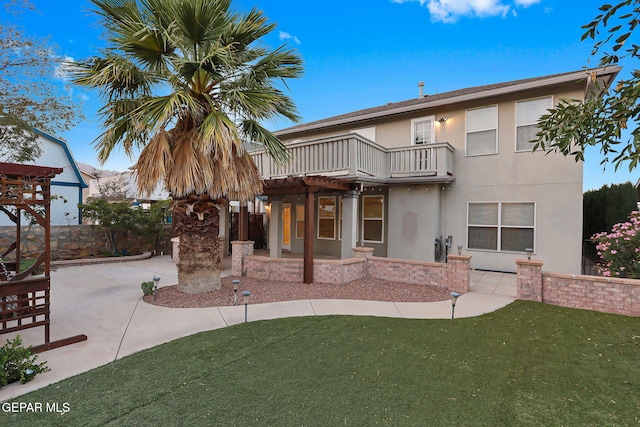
[309,222]
[243,222]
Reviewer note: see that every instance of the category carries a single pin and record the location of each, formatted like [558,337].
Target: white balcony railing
[354,156]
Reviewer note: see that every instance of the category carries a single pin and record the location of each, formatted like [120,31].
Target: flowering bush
[619,250]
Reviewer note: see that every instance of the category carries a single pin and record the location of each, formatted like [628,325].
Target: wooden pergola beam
[309,186]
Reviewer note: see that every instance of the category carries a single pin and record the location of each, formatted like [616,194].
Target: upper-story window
[527,116]
[423,130]
[482,131]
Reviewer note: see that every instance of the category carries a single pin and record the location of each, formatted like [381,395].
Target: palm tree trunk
[197,223]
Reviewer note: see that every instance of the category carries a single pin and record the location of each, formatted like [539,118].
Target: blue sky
[364,54]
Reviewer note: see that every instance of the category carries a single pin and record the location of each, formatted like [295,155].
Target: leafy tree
[188,81]
[607,206]
[29,97]
[118,220]
[601,119]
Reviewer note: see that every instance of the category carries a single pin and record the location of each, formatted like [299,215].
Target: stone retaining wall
[77,241]
[605,294]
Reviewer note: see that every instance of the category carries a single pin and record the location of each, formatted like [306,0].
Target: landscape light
[235,282]
[156,279]
[454,298]
[245,298]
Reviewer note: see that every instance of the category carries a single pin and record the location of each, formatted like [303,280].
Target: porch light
[245,297]
[443,119]
[156,279]
[454,298]
[459,249]
[529,253]
[235,282]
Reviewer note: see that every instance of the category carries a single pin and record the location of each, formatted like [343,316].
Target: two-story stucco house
[412,178]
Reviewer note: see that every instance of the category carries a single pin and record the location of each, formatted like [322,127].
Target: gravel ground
[263,291]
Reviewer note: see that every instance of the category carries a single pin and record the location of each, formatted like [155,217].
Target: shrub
[619,250]
[147,288]
[18,363]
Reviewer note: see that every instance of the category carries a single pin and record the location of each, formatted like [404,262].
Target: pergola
[309,186]
[25,298]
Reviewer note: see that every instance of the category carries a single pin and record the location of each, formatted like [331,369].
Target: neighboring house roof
[456,96]
[68,153]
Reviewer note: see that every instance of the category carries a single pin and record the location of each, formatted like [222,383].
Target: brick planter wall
[404,271]
[455,275]
[604,294]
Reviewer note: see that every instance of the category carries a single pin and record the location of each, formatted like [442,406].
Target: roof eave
[519,87]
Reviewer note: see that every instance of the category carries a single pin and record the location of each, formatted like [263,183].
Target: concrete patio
[104,301]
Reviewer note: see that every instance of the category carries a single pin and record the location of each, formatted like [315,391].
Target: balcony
[352,156]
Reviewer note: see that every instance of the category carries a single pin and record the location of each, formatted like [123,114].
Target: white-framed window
[299,221]
[528,114]
[373,219]
[327,217]
[482,131]
[423,130]
[501,226]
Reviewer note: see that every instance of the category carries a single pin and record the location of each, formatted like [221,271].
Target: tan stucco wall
[553,182]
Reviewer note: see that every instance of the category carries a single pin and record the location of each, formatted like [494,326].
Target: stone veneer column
[458,273]
[529,279]
[240,250]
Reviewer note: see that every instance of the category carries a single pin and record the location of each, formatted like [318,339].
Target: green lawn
[526,364]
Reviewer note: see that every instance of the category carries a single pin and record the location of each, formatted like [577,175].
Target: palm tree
[187,81]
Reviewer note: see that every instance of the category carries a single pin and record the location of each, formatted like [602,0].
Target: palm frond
[187,80]
[272,145]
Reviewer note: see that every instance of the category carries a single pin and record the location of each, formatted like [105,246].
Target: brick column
[529,279]
[365,253]
[459,273]
[239,250]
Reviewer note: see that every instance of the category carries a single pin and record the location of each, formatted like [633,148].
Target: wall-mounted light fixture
[443,119]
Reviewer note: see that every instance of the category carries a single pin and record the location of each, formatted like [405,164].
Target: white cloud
[449,11]
[63,69]
[526,3]
[286,36]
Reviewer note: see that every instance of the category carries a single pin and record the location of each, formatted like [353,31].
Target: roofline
[525,84]
[64,145]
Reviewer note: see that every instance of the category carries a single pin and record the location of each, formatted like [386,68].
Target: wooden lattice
[24,297]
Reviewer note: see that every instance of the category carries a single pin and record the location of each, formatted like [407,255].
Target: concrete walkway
[104,302]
